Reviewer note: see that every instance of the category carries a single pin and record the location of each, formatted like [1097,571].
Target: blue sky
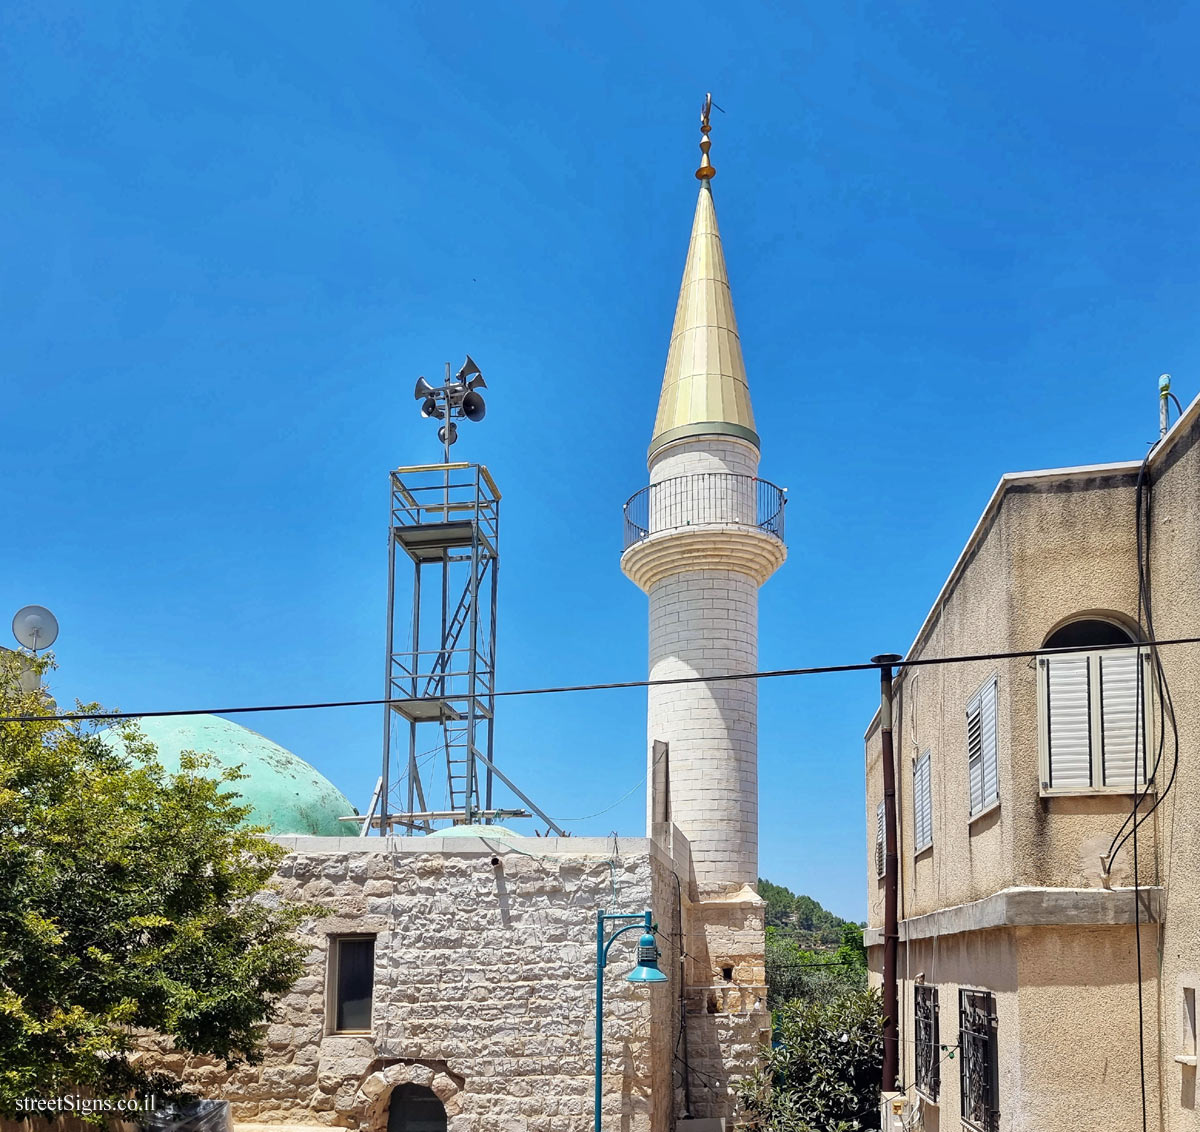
[962,240]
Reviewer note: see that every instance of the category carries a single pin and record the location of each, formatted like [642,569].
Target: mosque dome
[498,831]
[285,794]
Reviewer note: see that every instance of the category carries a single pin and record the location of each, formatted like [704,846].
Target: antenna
[1164,391]
[35,627]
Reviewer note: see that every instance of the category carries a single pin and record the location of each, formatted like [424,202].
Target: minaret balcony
[707,520]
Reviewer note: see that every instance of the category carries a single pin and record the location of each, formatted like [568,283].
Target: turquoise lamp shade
[647,969]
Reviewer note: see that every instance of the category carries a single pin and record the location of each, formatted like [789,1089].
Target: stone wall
[485,963]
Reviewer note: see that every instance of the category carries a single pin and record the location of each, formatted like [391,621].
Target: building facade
[1027,945]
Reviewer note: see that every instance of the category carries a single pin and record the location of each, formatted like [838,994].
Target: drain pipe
[891,861]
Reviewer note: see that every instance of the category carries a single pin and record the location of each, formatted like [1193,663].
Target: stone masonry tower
[701,540]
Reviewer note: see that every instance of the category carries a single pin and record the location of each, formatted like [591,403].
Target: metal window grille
[978,1073]
[928,1040]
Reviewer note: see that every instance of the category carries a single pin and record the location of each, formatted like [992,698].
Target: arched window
[1092,709]
[415,1108]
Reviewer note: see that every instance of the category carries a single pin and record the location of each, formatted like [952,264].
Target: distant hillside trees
[823,1070]
[800,918]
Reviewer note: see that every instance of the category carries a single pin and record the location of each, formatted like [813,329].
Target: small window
[880,854]
[922,804]
[928,1038]
[977,1025]
[1189,1025]
[982,769]
[1092,710]
[352,982]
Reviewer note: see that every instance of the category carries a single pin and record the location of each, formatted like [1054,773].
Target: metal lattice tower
[445,526]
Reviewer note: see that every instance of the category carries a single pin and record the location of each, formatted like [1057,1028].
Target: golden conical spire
[704,390]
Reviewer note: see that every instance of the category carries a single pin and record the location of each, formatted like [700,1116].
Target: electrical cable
[815,670]
[1143,503]
[641,782]
[1166,704]
[793,966]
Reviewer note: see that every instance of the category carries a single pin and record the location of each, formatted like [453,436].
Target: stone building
[1022,939]
[453,983]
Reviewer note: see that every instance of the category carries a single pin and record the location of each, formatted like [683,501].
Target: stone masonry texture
[484,987]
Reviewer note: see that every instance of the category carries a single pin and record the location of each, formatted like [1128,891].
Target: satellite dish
[35,627]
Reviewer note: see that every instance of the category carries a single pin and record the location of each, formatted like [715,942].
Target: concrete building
[452,985]
[1022,943]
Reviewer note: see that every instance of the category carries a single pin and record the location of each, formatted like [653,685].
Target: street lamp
[646,972]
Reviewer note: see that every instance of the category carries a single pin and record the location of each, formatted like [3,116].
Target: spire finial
[707,170]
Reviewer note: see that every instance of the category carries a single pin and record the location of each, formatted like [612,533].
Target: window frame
[977,701]
[332,996]
[1095,722]
[927,1042]
[926,759]
[979,1060]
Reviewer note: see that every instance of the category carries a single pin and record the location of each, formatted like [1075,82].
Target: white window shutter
[880,814]
[987,726]
[1121,718]
[975,753]
[1069,724]
[922,804]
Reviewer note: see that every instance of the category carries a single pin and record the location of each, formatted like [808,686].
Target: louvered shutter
[922,803]
[1069,721]
[975,753]
[1121,719]
[879,839]
[987,727]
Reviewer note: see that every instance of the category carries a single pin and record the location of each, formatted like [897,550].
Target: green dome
[285,793]
[498,831]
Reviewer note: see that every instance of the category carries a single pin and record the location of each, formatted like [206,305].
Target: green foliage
[811,953]
[825,1074]
[800,917]
[794,972]
[130,900]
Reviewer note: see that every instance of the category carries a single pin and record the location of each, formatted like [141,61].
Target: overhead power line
[815,670]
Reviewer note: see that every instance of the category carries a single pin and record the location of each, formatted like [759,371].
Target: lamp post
[645,972]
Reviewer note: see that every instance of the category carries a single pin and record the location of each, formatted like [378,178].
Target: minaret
[701,540]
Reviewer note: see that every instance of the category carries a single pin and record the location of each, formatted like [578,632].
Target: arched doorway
[415,1108]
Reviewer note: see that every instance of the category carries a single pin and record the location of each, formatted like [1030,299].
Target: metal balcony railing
[703,499]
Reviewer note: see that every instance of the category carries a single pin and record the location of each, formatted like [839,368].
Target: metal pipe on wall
[891,932]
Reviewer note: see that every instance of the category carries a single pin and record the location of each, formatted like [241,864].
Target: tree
[794,972]
[781,903]
[824,1073]
[130,900]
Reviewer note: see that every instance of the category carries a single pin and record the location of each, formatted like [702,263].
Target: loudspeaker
[473,407]
[468,368]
